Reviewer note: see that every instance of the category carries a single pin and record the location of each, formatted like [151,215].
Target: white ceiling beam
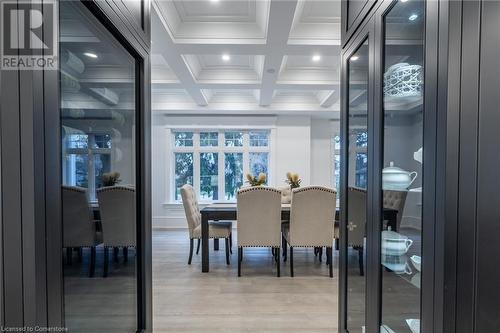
[174,58]
[257,49]
[330,99]
[280,23]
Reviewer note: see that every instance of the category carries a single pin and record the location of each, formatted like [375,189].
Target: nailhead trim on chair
[258,188]
[77,189]
[308,188]
[118,187]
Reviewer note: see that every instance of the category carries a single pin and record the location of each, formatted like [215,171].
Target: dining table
[228,212]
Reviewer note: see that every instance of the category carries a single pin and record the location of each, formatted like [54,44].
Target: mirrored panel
[98,112]
[402,174]
[357,177]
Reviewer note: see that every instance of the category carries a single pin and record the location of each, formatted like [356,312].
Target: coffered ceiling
[246,56]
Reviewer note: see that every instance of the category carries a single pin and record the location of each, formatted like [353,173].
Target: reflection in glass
[233,139]
[209,179]
[357,162]
[402,173]
[233,174]
[98,165]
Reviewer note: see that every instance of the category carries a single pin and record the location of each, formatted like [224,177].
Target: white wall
[301,145]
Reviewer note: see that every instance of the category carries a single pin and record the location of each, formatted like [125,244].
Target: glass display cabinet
[385,131]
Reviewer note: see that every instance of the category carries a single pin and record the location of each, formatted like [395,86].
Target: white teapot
[397,179]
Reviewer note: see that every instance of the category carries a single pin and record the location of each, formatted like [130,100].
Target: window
[86,158]
[215,162]
[184,139]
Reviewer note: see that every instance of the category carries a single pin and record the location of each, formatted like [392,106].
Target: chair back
[78,227]
[118,215]
[356,216]
[259,216]
[395,200]
[312,216]
[191,208]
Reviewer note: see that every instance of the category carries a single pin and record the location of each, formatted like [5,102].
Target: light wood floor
[186,300]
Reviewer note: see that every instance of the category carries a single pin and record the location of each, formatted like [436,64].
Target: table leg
[204,244]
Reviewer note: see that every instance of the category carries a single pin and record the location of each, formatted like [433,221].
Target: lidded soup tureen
[397,179]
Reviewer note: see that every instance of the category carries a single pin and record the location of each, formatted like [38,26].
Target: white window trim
[90,151]
[221,149]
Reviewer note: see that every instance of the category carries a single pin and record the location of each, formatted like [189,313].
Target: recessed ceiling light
[226,57]
[354,58]
[413,17]
[90,55]
[316,58]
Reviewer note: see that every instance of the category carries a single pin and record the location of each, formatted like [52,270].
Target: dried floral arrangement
[111,178]
[293,179]
[256,180]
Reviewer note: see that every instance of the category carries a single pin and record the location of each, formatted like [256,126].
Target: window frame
[221,149]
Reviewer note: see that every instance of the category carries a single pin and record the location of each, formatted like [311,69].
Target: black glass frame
[115,20]
[434,179]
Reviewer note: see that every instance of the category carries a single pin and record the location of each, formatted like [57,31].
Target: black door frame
[434,235]
[365,34]
[31,226]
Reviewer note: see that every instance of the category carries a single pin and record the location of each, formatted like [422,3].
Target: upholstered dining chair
[79,229]
[216,230]
[395,200]
[259,220]
[356,223]
[118,219]
[312,217]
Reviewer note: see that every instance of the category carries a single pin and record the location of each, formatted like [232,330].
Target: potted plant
[256,180]
[110,178]
[293,180]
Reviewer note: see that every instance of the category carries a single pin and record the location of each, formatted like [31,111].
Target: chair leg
[106,262]
[125,253]
[92,261]
[227,250]
[191,241]
[216,244]
[291,261]
[316,251]
[69,255]
[278,263]
[329,253]
[361,265]
[337,244]
[116,250]
[240,257]
[80,253]
[283,242]
[320,254]
[198,247]
[285,249]
[231,242]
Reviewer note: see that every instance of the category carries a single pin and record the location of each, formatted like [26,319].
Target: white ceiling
[271,44]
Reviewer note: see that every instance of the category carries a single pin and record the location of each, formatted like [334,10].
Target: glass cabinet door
[357,172]
[98,140]
[402,170]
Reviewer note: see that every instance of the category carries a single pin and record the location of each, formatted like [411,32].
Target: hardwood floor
[186,300]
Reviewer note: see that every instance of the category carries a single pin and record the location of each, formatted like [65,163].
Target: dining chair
[259,220]
[395,200]
[79,229]
[216,229]
[356,223]
[312,217]
[117,205]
